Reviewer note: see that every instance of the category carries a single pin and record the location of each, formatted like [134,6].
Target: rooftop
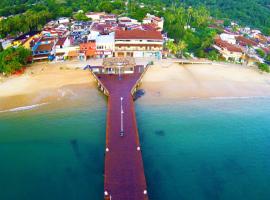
[138,34]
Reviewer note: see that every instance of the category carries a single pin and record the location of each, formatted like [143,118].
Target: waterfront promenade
[124,177]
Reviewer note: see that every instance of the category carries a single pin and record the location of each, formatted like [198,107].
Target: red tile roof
[138,34]
[61,41]
[228,46]
[45,47]
[245,41]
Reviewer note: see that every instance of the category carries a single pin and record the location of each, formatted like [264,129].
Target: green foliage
[30,20]
[254,13]
[213,55]
[260,52]
[267,58]
[12,59]
[176,49]
[264,67]
[190,25]
[80,17]
[1,47]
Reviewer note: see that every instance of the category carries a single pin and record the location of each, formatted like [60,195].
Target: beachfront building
[88,49]
[44,49]
[120,65]
[105,45]
[138,43]
[229,51]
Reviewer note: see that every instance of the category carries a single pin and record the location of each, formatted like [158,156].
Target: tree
[12,59]
[267,58]
[1,47]
[264,67]
[260,52]
[80,17]
[180,47]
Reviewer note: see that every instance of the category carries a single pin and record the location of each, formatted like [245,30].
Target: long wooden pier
[124,173]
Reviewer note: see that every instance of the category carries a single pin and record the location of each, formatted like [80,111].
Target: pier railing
[100,84]
[134,88]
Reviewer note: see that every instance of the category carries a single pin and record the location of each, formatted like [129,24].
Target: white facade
[228,38]
[95,16]
[105,45]
[63,20]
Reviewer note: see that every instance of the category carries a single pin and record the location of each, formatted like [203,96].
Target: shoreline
[164,82]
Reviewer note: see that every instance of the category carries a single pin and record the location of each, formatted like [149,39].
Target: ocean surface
[192,149]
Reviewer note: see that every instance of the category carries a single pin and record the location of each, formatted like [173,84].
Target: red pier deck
[124,173]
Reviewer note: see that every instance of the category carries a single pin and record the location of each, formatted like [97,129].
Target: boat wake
[22,108]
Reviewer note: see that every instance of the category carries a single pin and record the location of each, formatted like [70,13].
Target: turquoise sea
[192,149]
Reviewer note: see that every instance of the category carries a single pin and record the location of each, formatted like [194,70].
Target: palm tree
[171,47]
[180,47]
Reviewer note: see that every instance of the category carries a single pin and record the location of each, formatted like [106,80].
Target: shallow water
[192,149]
[206,149]
[54,151]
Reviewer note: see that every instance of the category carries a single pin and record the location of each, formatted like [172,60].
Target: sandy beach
[43,83]
[165,80]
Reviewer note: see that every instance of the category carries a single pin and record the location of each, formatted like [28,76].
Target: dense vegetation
[264,67]
[190,26]
[254,13]
[13,59]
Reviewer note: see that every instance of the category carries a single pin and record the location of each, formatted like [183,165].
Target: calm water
[207,149]
[199,149]
[54,153]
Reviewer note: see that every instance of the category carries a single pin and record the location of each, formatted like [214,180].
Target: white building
[95,16]
[105,45]
[63,20]
[159,22]
[228,38]
[138,43]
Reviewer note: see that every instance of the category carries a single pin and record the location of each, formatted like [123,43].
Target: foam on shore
[23,108]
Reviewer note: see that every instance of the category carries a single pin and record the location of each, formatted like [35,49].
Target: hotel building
[138,43]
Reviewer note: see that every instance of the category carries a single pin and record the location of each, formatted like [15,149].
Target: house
[95,16]
[230,38]
[44,49]
[25,39]
[138,43]
[105,45]
[88,48]
[127,21]
[152,19]
[240,40]
[229,51]
[108,18]
[63,20]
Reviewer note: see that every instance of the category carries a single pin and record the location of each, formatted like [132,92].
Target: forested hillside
[255,13]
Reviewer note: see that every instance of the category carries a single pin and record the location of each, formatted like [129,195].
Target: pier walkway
[124,173]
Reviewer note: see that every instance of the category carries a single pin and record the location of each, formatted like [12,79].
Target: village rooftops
[245,41]
[230,47]
[45,47]
[137,34]
[61,41]
[27,35]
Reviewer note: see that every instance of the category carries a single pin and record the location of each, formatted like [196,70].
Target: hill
[254,13]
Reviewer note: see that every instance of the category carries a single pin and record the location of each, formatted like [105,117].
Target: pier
[124,177]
